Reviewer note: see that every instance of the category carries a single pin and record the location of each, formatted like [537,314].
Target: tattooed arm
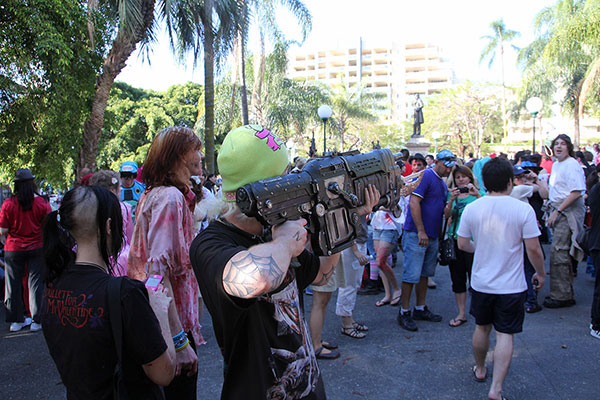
[261,268]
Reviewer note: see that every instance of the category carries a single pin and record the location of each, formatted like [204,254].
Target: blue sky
[457,26]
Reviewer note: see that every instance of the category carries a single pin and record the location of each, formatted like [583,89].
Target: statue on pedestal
[418,116]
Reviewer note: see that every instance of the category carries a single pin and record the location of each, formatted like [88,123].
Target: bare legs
[420,289]
[317,318]
[502,356]
[461,303]
[390,284]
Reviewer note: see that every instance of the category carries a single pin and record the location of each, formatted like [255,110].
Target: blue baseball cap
[130,167]
[447,157]
[517,170]
[528,164]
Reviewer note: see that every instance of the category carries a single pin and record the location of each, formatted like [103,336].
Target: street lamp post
[435,135]
[324,113]
[534,105]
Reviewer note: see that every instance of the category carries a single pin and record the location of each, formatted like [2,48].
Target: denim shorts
[419,261]
[386,235]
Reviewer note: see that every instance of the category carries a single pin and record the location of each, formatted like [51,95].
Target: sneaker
[406,321]
[35,327]
[595,333]
[17,326]
[426,315]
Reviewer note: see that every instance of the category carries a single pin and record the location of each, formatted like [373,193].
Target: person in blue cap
[131,190]
[420,239]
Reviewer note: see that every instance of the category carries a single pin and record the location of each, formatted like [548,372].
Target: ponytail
[58,247]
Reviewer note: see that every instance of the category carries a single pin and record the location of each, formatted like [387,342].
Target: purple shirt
[433,192]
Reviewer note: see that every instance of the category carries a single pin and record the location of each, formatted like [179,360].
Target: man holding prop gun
[251,277]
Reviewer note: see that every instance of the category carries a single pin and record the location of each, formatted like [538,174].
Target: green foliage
[467,116]
[47,76]
[134,116]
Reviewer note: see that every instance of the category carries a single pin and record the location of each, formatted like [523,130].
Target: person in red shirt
[21,219]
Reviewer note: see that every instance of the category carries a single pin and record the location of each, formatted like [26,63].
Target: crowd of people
[181,232]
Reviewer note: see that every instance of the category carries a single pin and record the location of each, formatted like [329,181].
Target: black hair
[591,180]
[405,154]
[579,154]
[520,155]
[25,192]
[567,140]
[61,227]
[535,158]
[497,174]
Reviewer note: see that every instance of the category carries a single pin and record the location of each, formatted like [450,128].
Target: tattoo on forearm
[246,275]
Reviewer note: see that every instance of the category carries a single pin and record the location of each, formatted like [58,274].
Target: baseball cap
[248,154]
[517,170]
[129,167]
[447,157]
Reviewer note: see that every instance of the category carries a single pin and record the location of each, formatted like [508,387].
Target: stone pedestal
[418,144]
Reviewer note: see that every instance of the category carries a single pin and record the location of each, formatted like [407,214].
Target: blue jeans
[419,261]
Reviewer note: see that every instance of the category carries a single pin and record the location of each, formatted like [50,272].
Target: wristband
[183,346]
[180,341]
[179,336]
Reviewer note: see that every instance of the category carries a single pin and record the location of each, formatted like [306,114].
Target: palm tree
[263,12]
[565,55]
[496,45]
[135,21]
[352,105]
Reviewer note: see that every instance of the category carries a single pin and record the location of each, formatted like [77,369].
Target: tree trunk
[588,84]
[504,119]
[209,87]
[121,49]
[243,93]
[259,74]
[576,116]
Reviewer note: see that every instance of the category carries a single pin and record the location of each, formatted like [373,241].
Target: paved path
[554,358]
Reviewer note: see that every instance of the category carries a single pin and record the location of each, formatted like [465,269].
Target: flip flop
[477,379]
[395,301]
[381,303]
[332,355]
[329,345]
[457,322]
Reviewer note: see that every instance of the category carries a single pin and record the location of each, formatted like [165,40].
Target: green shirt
[457,209]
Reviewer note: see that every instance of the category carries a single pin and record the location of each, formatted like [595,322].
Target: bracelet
[183,346]
[180,341]
[179,336]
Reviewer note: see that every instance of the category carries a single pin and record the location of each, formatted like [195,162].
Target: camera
[463,189]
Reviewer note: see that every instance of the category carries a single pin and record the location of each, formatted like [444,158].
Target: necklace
[93,265]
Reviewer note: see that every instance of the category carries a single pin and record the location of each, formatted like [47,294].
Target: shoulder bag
[447,245]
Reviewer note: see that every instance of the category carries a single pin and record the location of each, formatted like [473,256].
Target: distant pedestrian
[420,239]
[21,219]
[494,228]
[567,184]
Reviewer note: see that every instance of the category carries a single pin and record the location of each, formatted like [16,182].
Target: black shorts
[505,311]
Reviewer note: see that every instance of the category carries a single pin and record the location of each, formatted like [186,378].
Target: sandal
[382,303]
[395,301]
[455,322]
[360,327]
[329,345]
[353,332]
[476,378]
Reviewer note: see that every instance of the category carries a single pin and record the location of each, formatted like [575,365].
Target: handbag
[114,308]
[447,246]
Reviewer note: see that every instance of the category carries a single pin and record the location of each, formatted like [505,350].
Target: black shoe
[426,315]
[552,303]
[369,288]
[405,321]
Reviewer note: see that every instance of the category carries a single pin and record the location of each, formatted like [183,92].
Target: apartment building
[398,70]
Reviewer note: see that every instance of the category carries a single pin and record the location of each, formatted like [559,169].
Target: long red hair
[165,157]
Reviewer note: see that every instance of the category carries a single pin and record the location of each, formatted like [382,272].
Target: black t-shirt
[76,325]
[265,342]
[594,203]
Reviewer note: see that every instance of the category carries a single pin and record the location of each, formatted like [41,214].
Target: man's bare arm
[262,268]
[465,244]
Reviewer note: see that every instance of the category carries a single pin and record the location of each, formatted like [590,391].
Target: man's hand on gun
[293,234]
[372,196]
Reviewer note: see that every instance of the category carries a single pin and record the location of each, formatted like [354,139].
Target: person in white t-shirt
[567,184]
[495,228]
